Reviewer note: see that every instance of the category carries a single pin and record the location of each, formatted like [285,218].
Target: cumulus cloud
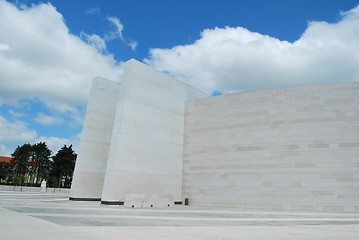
[5,150]
[40,58]
[4,47]
[17,133]
[46,68]
[55,143]
[16,114]
[236,59]
[45,119]
[72,112]
[95,40]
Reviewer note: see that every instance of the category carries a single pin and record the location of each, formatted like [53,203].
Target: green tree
[63,165]
[19,180]
[5,169]
[20,160]
[41,161]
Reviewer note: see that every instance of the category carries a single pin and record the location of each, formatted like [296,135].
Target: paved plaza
[35,215]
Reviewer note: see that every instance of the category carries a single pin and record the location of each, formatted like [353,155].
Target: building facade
[155,141]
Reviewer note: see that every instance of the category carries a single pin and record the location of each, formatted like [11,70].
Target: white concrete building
[95,140]
[156,141]
[131,151]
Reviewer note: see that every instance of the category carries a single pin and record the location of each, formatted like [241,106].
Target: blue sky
[50,52]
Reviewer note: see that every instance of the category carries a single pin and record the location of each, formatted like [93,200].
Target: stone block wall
[294,148]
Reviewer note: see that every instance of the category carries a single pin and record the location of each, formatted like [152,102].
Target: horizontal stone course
[293,148]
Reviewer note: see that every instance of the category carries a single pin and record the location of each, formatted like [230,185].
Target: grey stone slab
[33,215]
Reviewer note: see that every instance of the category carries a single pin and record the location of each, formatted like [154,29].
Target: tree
[5,168]
[20,160]
[63,164]
[40,161]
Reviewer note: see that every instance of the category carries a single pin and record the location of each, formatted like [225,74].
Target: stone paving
[34,215]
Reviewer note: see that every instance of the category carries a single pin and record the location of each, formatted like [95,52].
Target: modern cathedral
[154,141]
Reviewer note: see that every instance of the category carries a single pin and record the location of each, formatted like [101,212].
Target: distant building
[5,159]
[156,141]
[4,172]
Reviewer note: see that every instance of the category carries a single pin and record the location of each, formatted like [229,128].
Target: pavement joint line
[179,210]
[200,219]
[344,215]
[310,226]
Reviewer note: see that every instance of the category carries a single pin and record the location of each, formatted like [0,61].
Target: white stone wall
[95,140]
[146,153]
[293,148]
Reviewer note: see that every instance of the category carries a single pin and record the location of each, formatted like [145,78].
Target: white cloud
[16,114]
[4,47]
[55,143]
[15,132]
[5,150]
[235,59]
[133,44]
[45,119]
[44,65]
[73,113]
[117,34]
[40,58]
[95,40]
[118,29]
[93,11]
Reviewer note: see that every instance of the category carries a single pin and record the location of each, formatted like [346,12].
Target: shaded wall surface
[293,148]
[131,148]
[95,140]
[146,152]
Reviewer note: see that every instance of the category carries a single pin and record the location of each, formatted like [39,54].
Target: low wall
[32,189]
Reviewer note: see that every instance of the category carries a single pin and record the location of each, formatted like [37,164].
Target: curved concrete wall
[293,148]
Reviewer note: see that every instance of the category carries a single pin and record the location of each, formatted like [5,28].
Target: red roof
[5,159]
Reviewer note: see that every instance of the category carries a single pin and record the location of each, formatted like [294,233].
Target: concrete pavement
[34,215]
